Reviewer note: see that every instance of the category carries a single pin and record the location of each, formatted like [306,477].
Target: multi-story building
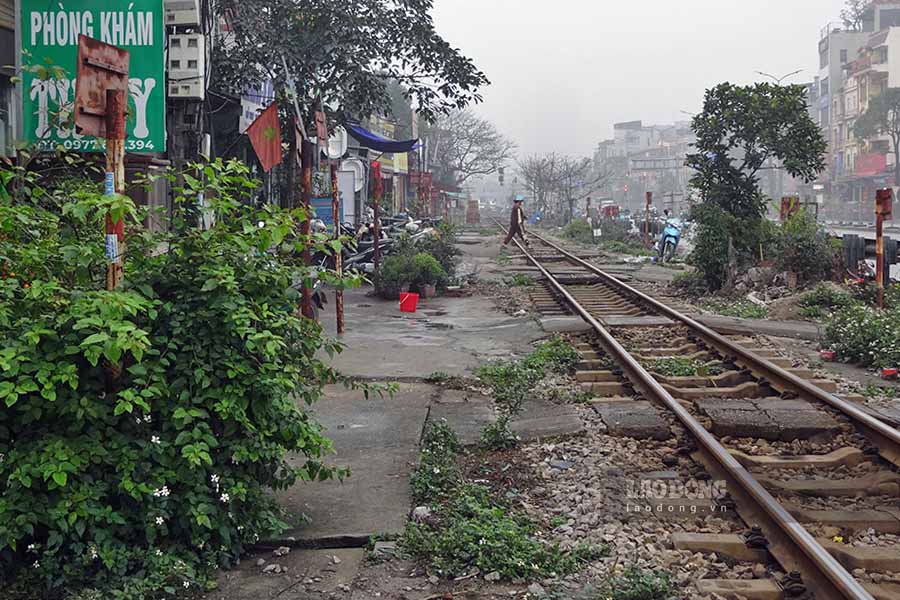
[853,67]
[646,158]
[858,166]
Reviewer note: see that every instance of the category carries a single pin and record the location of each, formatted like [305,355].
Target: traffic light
[500,173]
[626,188]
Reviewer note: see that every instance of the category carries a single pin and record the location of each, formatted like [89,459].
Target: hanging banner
[49,37]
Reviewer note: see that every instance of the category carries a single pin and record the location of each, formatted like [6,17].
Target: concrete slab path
[378,439]
[451,335]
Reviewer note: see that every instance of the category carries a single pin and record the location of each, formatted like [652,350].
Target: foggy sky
[563,71]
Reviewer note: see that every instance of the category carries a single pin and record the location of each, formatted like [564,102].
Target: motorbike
[668,242]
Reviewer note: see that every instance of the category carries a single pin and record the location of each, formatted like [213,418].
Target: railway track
[797,503]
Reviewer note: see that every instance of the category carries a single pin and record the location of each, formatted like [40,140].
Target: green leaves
[181,447]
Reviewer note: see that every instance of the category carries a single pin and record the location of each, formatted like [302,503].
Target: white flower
[138,420]
[36,565]
[158,552]
[93,551]
[161,492]
[1,457]
[160,520]
[187,584]
[32,547]
[214,478]
[225,498]
[436,470]
[148,419]
[155,439]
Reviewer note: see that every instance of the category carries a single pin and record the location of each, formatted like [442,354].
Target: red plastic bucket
[408,302]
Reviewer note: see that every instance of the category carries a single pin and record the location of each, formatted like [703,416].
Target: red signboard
[868,165]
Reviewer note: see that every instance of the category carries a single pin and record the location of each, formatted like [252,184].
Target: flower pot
[427,290]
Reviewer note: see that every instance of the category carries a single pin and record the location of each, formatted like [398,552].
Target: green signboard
[50,39]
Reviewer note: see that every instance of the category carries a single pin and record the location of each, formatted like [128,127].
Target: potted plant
[394,276]
[429,274]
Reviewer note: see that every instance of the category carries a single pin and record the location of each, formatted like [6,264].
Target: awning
[379,143]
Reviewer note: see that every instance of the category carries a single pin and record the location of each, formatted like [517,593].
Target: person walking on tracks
[517,222]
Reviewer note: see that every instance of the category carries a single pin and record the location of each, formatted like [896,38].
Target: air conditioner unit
[182,12]
[187,56]
[190,89]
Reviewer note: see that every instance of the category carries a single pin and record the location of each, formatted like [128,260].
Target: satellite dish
[337,143]
[359,172]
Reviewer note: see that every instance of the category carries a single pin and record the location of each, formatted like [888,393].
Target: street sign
[100,68]
[49,43]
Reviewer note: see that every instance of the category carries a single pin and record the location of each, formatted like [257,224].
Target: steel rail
[794,546]
[885,437]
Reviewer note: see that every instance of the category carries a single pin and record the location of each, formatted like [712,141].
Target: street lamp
[778,80]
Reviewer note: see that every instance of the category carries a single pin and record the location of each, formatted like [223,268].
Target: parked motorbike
[668,240]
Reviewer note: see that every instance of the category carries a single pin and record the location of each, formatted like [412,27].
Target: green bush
[477,532]
[579,231]
[470,528]
[683,367]
[866,336]
[406,268]
[805,248]
[442,246]
[512,381]
[437,474]
[428,270]
[823,299]
[143,429]
[710,253]
[520,280]
[740,308]
[615,230]
[554,356]
[636,583]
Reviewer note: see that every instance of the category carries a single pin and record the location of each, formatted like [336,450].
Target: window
[844,57]
[824,85]
[823,59]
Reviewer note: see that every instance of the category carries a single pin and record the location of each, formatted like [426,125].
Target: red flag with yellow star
[265,135]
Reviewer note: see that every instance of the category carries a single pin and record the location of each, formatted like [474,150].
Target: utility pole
[883,210]
[306,161]
[338,255]
[115,183]
[647,219]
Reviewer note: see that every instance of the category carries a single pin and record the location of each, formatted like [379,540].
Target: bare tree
[578,180]
[541,176]
[463,146]
[558,183]
[853,12]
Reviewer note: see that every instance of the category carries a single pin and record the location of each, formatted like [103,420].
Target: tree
[882,117]
[558,182]
[345,53]
[464,146]
[577,180]
[853,13]
[745,129]
[740,132]
[541,174]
